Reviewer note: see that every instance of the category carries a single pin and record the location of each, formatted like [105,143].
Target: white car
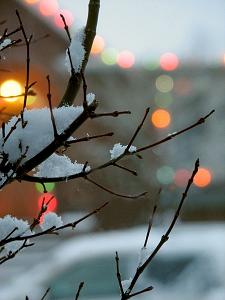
[191,265]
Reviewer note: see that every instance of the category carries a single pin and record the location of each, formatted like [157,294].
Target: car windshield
[99,275]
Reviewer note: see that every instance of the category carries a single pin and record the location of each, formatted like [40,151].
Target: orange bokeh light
[46,197]
[98,45]
[161,118]
[169,61]
[125,59]
[48,8]
[203,177]
[68,17]
[32,1]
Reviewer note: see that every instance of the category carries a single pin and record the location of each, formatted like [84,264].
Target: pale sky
[151,27]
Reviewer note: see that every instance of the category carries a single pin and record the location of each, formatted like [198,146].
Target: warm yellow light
[10,88]
[98,45]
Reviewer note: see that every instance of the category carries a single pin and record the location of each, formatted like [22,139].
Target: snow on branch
[77,51]
[60,166]
[119,149]
[38,132]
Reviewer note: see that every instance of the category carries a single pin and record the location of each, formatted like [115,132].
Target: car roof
[185,239]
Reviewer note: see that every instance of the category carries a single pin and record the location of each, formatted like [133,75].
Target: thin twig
[11,254]
[165,237]
[114,193]
[118,274]
[151,221]
[45,294]
[30,93]
[53,229]
[79,290]
[148,289]
[125,169]
[137,131]
[171,136]
[13,43]
[110,114]
[27,42]
[49,97]
[88,138]
[111,162]
[85,105]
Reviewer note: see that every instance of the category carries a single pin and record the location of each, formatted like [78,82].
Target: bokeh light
[109,56]
[203,177]
[165,175]
[32,1]
[125,59]
[49,187]
[164,83]
[161,118]
[46,197]
[183,86]
[10,88]
[48,7]
[68,18]
[169,61]
[163,99]
[181,177]
[98,45]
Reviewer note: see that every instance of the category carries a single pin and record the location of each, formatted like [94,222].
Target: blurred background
[166,55]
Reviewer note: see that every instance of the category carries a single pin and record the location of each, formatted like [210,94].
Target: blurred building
[178,96]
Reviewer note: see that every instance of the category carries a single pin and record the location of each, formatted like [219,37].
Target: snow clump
[51,219]
[7,225]
[119,149]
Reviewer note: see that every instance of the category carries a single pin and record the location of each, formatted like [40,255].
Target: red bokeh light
[47,197]
[48,8]
[169,61]
[68,17]
[181,177]
[125,59]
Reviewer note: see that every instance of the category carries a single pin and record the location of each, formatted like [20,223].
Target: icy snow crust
[38,133]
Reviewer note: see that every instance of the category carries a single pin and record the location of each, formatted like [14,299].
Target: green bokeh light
[109,56]
[164,83]
[165,175]
[163,99]
[49,187]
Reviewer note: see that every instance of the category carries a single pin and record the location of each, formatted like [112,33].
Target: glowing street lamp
[10,89]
